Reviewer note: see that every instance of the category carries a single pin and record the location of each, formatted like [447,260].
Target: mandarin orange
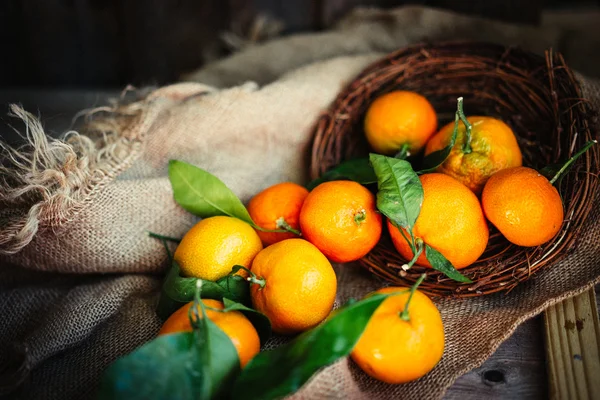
[234,324]
[398,347]
[341,219]
[523,205]
[451,221]
[399,118]
[277,207]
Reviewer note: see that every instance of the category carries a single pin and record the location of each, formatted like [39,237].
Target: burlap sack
[80,277]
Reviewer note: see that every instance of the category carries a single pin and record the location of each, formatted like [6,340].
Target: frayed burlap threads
[47,179]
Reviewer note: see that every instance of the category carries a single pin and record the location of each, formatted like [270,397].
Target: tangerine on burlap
[79,278]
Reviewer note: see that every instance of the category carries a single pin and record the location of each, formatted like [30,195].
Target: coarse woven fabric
[80,278]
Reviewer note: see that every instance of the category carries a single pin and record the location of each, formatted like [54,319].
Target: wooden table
[517,370]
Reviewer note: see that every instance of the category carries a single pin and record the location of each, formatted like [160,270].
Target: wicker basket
[538,97]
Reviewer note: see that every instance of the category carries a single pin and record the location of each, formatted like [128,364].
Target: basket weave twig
[538,97]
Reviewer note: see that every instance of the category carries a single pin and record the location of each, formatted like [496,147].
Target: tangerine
[398,346]
[399,118]
[451,221]
[234,324]
[523,205]
[341,219]
[277,207]
[211,248]
[493,147]
[295,285]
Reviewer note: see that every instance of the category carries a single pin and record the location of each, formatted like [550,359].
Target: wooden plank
[572,332]
[515,371]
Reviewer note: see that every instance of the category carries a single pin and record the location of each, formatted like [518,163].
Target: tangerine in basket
[234,324]
[399,119]
[401,342]
[277,207]
[211,248]
[294,285]
[493,147]
[341,219]
[523,205]
[451,221]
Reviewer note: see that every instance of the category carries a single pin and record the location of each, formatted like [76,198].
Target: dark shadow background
[112,43]
[58,57]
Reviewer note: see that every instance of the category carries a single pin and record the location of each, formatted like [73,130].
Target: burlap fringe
[44,182]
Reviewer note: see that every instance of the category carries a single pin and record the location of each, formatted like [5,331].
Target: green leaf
[189,365]
[259,320]
[400,193]
[276,373]
[178,290]
[358,170]
[437,158]
[440,263]
[203,194]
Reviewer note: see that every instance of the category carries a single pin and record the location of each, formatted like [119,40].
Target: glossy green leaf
[189,365]
[273,374]
[358,170]
[259,320]
[178,290]
[437,158]
[441,263]
[203,194]
[400,193]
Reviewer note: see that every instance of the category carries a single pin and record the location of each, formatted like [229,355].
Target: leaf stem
[419,249]
[282,224]
[193,313]
[169,254]
[163,237]
[572,160]
[403,153]
[410,242]
[252,278]
[467,146]
[260,228]
[404,314]
[164,240]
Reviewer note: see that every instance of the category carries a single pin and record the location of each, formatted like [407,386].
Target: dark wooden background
[111,43]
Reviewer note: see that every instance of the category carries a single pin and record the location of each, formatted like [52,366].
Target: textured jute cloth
[80,277]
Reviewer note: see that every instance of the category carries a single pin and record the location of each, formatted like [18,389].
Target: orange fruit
[341,219]
[523,205]
[395,351]
[240,330]
[214,245]
[493,148]
[299,285]
[275,207]
[451,221]
[399,118]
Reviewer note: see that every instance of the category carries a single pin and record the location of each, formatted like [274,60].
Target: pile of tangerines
[288,260]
